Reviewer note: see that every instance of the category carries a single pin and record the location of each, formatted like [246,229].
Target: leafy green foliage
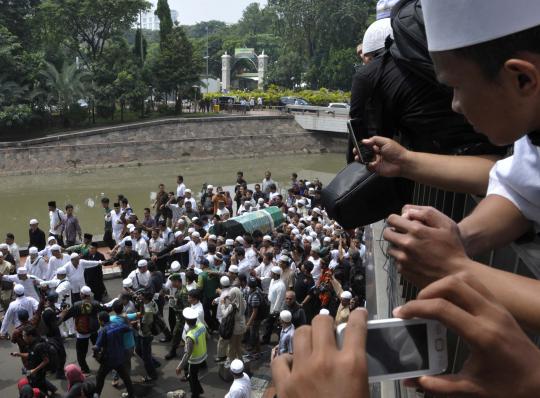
[163,12]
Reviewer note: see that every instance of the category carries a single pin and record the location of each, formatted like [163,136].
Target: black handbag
[358,197]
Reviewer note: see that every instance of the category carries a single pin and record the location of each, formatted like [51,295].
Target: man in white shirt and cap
[21,302]
[276,298]
[193,247]
[46,252]
[22,278]
[57,260]
[140,278]
[241,386]
[36,264]
[189,198]
[13,248]
[75,272]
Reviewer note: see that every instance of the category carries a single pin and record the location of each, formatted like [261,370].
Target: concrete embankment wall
[169,140]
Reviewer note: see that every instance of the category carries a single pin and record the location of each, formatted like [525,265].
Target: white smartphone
[403,349]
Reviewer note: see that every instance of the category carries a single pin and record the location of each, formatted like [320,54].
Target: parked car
[226,100]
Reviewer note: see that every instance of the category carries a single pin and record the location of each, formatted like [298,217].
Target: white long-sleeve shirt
[195,252]
[76,274]
[117,225]
[140,279]
[55,263]
[38,268]
[56,218]
[276,295]
[28,283]
[29,304]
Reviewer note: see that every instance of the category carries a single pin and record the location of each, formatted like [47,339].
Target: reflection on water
[26,197]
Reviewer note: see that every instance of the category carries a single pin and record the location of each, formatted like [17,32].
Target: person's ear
[524,76]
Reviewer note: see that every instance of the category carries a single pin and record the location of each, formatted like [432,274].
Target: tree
[87,25]
[140,47]
[165,21]
[129,89]
[63,87]
[176,68]
[255,20]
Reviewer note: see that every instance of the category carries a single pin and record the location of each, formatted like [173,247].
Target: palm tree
[62,87]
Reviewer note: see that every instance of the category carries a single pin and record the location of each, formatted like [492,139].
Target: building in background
[150,21]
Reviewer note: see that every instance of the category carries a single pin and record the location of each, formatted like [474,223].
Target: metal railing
[389,289]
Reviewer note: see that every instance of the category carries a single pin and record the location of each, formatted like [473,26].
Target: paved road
[10,370]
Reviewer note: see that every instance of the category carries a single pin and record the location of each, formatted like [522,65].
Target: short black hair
[9,235]
[491,56]
[69,206]
[31,331]
[195,293]
[105,200]
[118,307]
[103,316]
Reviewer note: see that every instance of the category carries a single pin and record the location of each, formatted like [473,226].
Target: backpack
[410,48]
[264,308]
[226,327]
[86,322]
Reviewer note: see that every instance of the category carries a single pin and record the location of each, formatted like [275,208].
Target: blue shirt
[111,339]
[129,338]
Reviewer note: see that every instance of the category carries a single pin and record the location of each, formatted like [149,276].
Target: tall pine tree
[163,12]
[140,47]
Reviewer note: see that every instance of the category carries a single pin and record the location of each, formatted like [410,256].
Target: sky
[193,11]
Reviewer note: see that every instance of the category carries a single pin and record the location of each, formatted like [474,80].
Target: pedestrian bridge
[320,119]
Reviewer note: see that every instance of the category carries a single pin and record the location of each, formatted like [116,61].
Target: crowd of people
[184,278]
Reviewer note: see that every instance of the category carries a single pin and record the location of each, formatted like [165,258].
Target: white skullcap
[324,311]
[74,255]
[376,35]
[197,271]
[224,281]
[212,237]
[313,234]
[462,23]
[56,248]
[210,187]
[18,289]
[175,266]
[308,238]
[33,221]
[85,290]
[316,210]
[233,269]
[191,230]
[187,190]
[308,183]
[327,239]
[261,200]
[131,229]
[177,234]
[129,226]
[195,234]
[1,254]
[237,366]
[142,263]
[267,237]
[33,250]
[229,242]
[194,218]
[285,316]
[22,271]
[276,270]
[311,189]
[61,271]
[302,202]
[292,210]
[239,239]
[190,313]
[346,295]
[128,282]
[50,238]
[284,258]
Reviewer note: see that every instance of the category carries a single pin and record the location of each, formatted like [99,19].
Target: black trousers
[81,346]
[268,326]
[61,353]
[193,377]
[210,313]
[123,372]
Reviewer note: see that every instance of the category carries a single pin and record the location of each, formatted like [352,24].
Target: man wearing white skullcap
[56,260]
[141,276]
[193,247]
[75,272]
[344,310]
[241,386]
[21,302]
[285,345]
[276,298]
[36,264]
[23,279]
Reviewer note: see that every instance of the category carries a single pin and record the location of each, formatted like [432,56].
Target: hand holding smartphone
[365,154]
[403,349]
